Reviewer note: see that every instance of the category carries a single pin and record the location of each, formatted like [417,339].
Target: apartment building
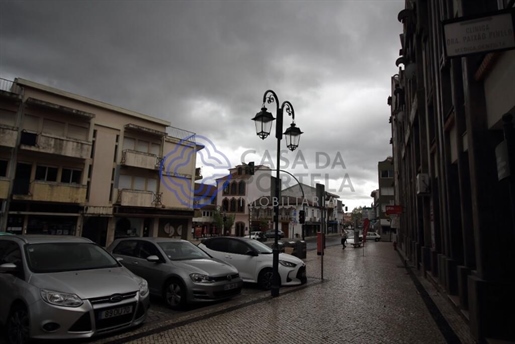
[71,165]
[452,106]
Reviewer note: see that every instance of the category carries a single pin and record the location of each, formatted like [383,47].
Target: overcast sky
[205,65]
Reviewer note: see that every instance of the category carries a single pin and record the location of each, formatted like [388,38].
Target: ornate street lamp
[263,121]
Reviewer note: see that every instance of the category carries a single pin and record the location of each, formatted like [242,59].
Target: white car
[257,235]
[254,260]
[371,236]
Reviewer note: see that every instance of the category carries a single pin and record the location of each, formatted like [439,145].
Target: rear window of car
[60,257]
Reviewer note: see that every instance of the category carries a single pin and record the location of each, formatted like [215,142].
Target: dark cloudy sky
[205,65]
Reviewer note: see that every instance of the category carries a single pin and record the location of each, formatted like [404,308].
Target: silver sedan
[177,270]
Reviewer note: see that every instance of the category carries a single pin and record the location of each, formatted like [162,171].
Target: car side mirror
[8,267]
[251,253]
[153,259]
[119,259]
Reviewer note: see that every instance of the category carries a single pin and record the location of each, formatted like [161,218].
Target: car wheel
[377,240]
[265,279]
[18,325]
[175,294]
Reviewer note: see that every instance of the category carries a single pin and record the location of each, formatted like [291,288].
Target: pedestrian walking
[344,239]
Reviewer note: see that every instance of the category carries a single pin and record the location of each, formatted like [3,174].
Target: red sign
[393,210]
[366,224]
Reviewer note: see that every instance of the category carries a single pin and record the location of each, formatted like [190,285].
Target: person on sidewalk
[344,239]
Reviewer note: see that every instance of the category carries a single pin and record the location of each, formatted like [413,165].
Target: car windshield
[260,247]
[182,250]
[59,257]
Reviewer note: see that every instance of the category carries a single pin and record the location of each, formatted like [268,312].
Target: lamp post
[263,121]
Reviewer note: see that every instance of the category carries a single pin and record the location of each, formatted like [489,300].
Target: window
[48,174]
[139,183]
[237,247]
[129,143]
[152,185]
[147,249]
[234,187]
[387,174]
[71,176]
[3,168]
[241,188]
[126,248]
[218,245]
[142,146]
[387,191]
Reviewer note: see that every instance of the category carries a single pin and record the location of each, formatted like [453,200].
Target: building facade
[451,117]
[71,165]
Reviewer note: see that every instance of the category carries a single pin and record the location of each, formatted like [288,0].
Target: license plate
[115,312]
[231,286]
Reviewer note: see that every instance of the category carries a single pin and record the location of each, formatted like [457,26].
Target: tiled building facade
[449,116]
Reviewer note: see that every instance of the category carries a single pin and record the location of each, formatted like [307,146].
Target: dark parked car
[271,233]
[177,270]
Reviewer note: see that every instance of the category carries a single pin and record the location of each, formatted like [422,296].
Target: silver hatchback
[65,287]
[177,270]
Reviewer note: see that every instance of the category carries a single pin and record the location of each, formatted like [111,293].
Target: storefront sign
[479,34]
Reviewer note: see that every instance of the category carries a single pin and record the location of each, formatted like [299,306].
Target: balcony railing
[9,86]
[136,198]
[8,136]
[44,143]
[139,159]
[53,192]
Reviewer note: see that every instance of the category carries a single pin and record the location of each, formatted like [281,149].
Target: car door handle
[135,263]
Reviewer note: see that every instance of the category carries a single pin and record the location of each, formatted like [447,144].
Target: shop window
[45,173]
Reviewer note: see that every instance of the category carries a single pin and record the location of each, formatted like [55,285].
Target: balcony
[8,136]
[44,143]
[54,192]
[136,198]
[139,159]
[4,188]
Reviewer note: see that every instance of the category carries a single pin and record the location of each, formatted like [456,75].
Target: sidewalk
[366,296]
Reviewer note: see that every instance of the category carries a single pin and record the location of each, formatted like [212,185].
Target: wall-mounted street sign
[479,34]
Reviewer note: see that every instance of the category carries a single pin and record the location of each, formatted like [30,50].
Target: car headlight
[143,287]
[61,299]
[199,278]
[287,264]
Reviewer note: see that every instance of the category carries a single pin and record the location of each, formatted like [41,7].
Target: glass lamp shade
[292,135]
[263,121]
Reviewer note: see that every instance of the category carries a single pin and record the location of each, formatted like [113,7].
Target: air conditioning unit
[422,184]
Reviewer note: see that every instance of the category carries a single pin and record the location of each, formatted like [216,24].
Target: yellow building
[76,166]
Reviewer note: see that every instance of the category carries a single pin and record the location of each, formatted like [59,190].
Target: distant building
[385,195]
